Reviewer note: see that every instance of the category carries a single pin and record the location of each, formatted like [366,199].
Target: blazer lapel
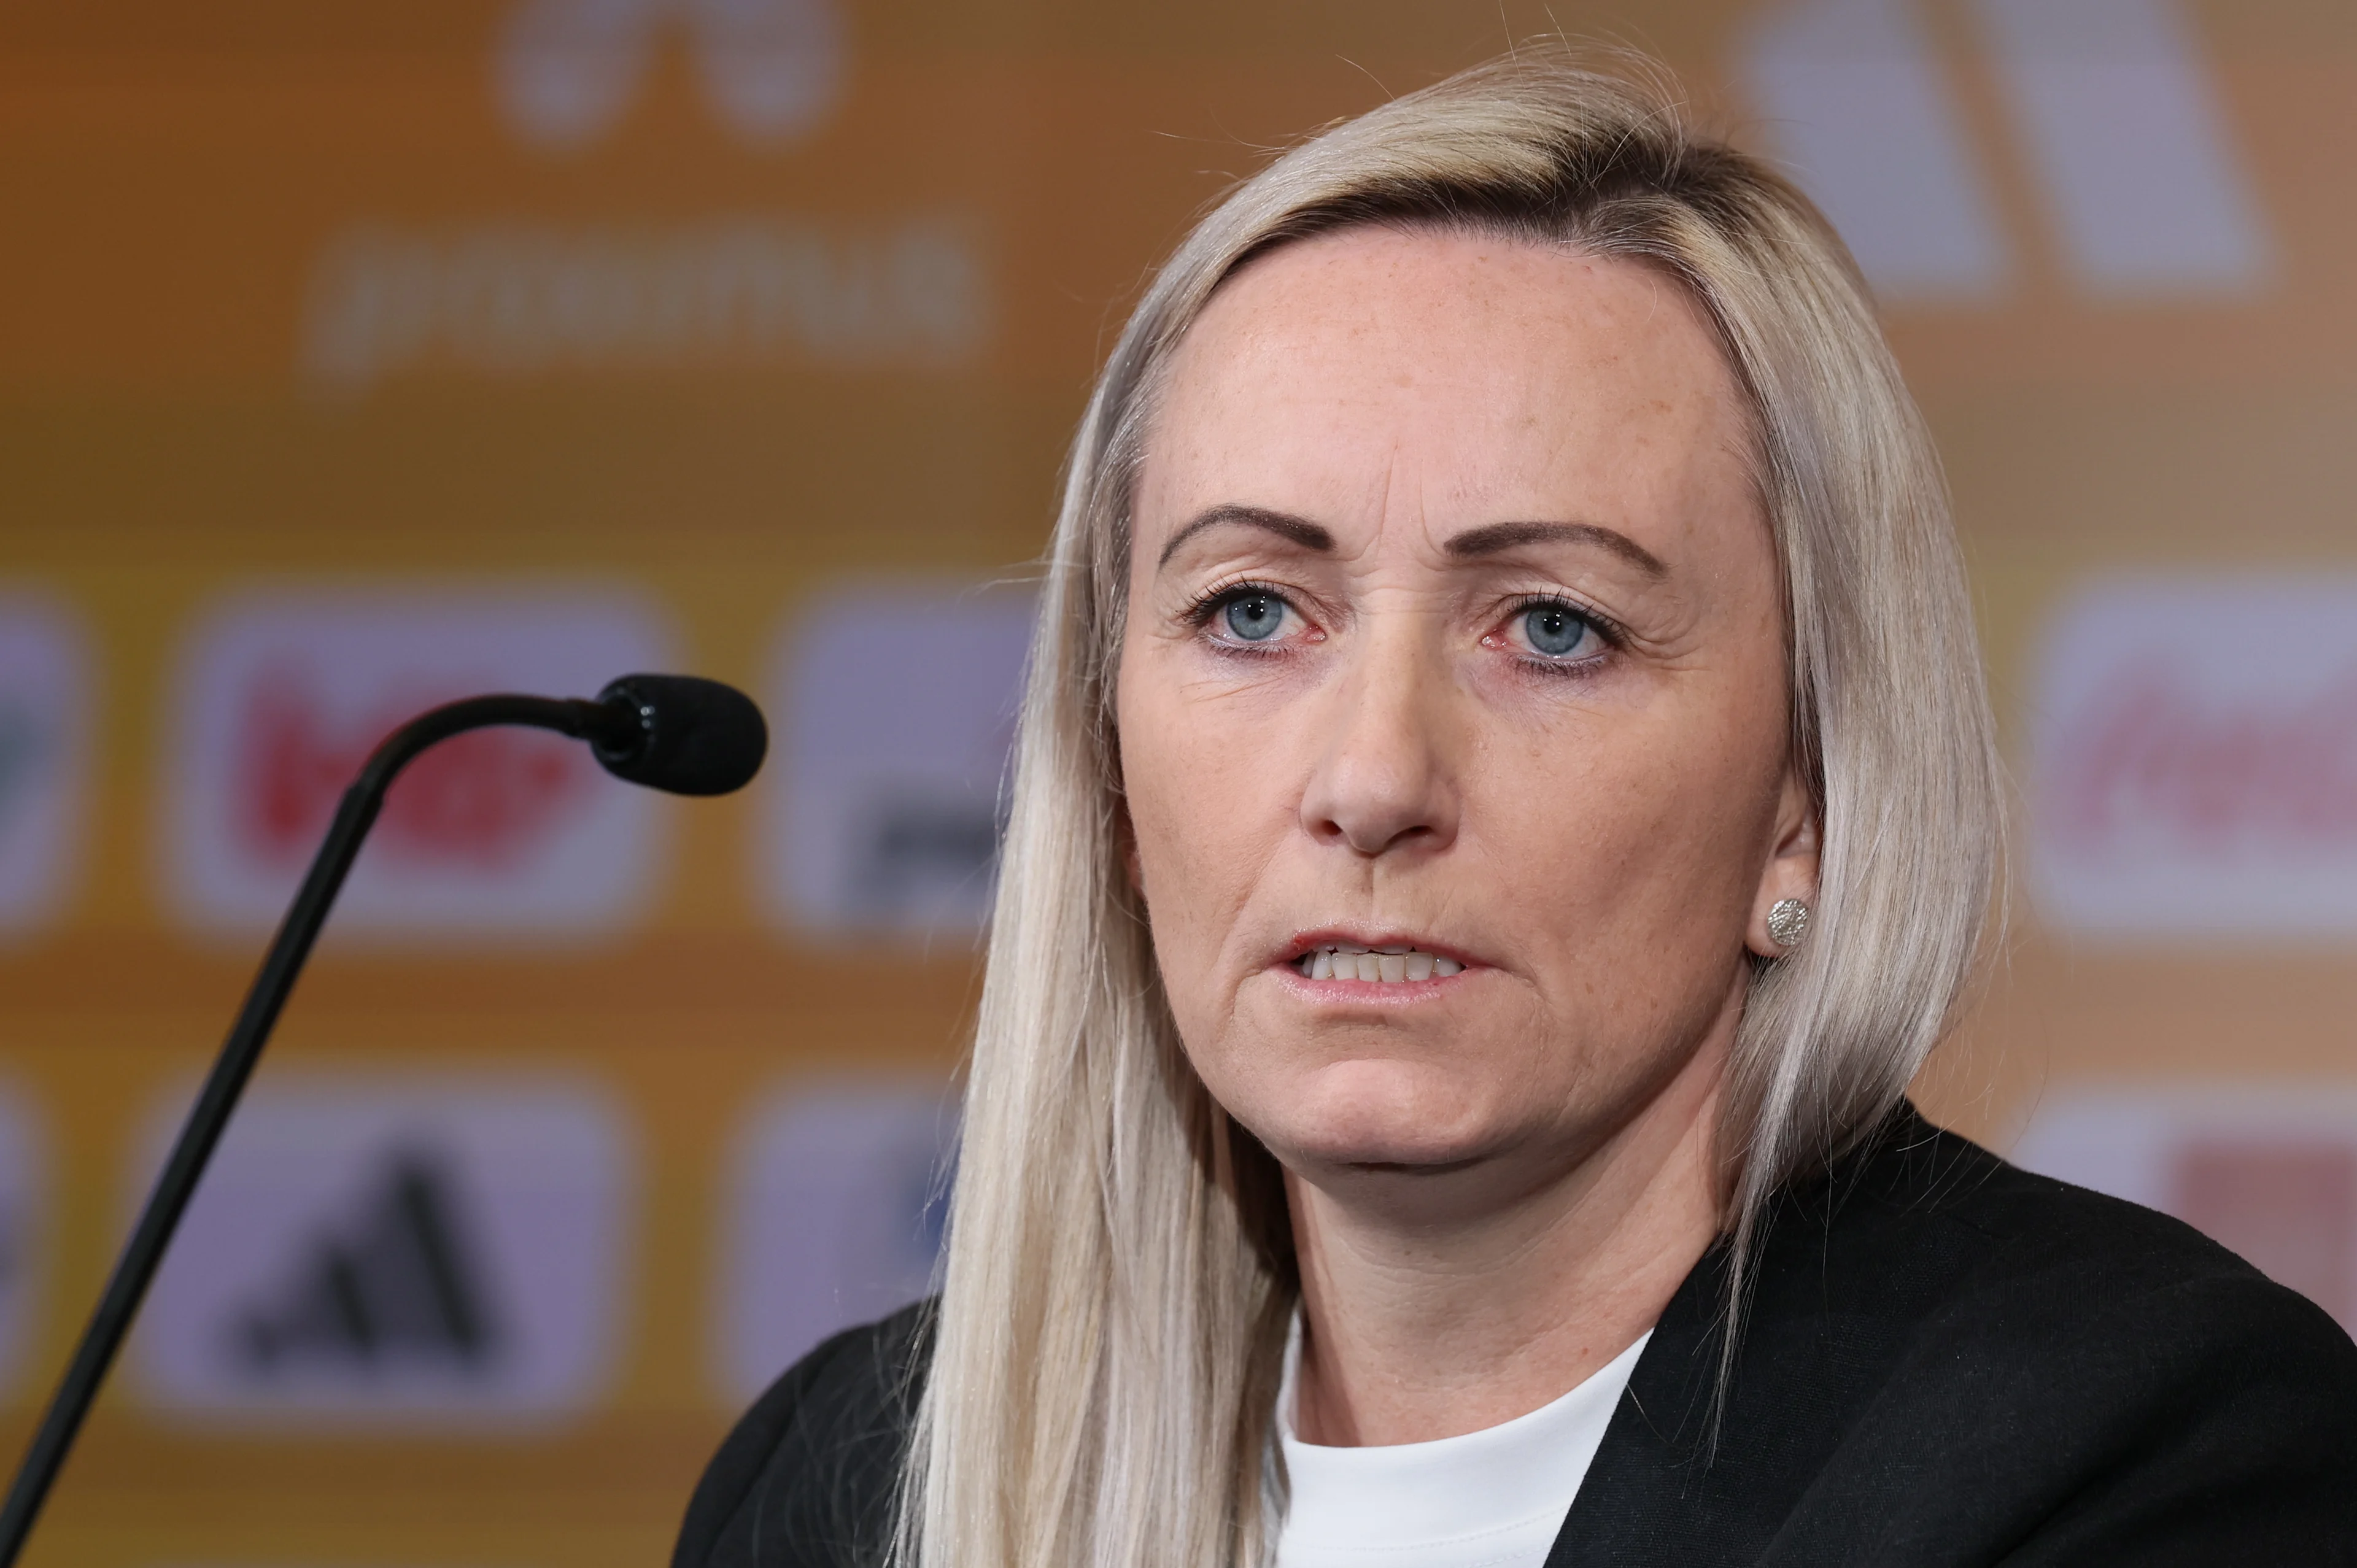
[1846,1278]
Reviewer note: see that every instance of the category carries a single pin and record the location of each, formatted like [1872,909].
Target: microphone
[684,734]
[674,732]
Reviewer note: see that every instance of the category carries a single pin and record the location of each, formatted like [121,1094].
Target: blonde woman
[1503,807]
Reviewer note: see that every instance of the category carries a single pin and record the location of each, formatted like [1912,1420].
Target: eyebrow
[1469,545]
[1496,536]
[1284,525]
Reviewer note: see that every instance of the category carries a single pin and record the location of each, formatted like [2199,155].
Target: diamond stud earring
[1788,922]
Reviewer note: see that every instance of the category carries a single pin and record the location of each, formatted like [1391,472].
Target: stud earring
[1788,922]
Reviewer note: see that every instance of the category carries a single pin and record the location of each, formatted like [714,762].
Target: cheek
[1641,844]
[1200,793]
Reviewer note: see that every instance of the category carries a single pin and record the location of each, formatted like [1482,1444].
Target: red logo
[2149,754]
[482,801]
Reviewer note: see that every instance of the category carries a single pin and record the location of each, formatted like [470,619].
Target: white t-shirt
[1492,1499]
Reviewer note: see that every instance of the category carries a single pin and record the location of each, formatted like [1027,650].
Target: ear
[1791,868]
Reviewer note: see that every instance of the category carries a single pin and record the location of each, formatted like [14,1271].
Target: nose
[1382,783]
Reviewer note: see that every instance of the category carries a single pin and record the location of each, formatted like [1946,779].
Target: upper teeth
[1348,960]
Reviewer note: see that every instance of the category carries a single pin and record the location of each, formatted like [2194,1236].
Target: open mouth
[1375,966]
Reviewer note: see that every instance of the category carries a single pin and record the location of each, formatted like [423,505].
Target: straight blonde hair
[1119,1272]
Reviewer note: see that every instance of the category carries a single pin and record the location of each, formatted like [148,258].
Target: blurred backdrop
[357,356]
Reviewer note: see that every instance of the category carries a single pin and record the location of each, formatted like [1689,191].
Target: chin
[1390,1114]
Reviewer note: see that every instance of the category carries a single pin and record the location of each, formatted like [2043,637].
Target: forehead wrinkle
[1247,342]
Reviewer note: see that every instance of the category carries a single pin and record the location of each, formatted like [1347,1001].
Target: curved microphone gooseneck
[674,732]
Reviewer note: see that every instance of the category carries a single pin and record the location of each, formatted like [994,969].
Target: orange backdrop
[730,316]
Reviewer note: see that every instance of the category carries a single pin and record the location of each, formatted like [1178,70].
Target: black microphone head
[693,738]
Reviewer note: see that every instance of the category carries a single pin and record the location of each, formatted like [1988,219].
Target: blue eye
[1255,617]
[1556,631]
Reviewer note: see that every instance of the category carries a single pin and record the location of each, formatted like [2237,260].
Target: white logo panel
[46,701]
[503,833]
[2269,1173]
[835,1220]
[2194,760]
[899,705]
[394,1251]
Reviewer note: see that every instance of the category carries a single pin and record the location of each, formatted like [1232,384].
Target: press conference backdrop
[356,357]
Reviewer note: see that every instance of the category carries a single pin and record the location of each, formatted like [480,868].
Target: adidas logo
[2107,108]
[400,1282]
[412,1253]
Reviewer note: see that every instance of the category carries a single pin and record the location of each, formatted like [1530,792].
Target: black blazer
[1947,1362]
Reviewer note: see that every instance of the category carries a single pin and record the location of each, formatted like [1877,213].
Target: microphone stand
[619,728]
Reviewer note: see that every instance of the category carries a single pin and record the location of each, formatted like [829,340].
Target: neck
[1415,1330]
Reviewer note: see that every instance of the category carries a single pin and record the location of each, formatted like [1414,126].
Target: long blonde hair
[1119,1270]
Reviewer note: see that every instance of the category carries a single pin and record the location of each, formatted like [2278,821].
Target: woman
[1504,805]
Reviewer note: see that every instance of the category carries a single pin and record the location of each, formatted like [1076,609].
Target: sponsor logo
[899,704]
[2194,760]
[502,833]
[2111,106]
[371,1250]
[2268,1173]
[568,70]
[45,709]
[834,1219]
[518,300]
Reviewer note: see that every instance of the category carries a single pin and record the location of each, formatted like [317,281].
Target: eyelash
[1607,631]
[1212,600]
[1218,597]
